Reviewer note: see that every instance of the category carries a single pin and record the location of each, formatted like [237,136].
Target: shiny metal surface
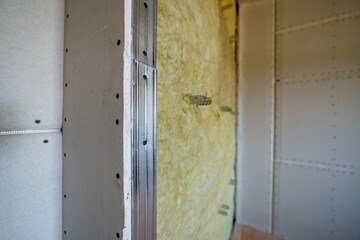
[144,120]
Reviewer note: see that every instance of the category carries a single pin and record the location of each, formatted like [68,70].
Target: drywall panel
[346,126]
[327,49]
[317,119]
[30,183]
[303,107]
[31,76]
[311,13]
[93,126]
[316,201]
[196,143]
[31,64]
[254,91]
[318,136]
[297,191]
[317,130]
[345,217]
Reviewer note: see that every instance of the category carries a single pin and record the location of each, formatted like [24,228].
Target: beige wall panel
[196,144]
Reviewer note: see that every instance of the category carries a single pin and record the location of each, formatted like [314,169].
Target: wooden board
[243,232]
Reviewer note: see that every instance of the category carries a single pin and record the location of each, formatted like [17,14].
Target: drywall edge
[127,123]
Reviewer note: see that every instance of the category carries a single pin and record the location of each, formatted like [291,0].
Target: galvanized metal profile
[144,119]
[144,31]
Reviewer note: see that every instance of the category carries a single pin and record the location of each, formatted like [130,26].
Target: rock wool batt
[196,144]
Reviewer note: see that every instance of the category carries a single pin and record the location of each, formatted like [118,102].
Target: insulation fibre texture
[196,144]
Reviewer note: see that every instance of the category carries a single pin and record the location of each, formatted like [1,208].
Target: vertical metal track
[144,119]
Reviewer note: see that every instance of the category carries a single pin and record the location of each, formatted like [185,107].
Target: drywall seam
[23,132]
[273,117]
[337,168]
[239,126]
[127,123]
[31,74]
[318,22]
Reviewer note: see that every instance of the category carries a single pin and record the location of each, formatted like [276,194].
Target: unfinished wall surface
[31,74]
[96,59]
[196,144]
[314,193]
[254,91]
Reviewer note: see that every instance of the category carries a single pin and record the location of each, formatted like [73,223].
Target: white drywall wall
[31,70]
[317,131]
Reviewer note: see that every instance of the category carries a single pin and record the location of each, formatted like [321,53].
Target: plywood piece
[244,232]
[31,64]
[30,184]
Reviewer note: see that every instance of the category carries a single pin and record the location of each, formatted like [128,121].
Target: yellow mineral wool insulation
[230,12]
[196,144]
